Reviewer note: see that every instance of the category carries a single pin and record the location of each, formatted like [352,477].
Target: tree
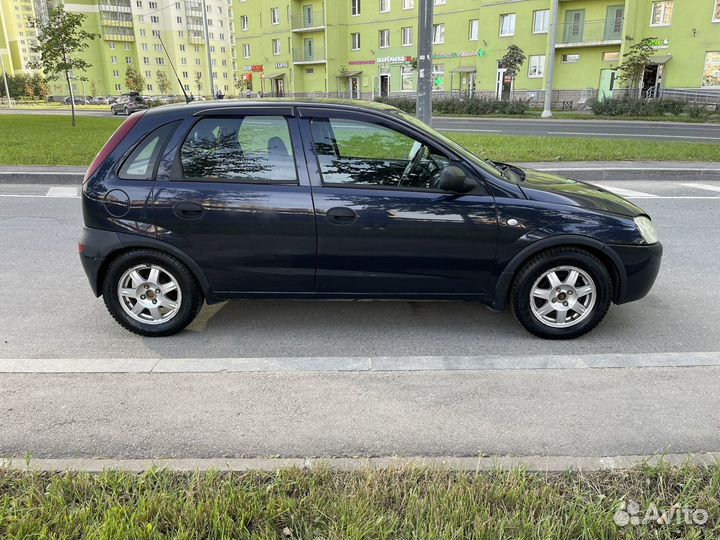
[60,41]
[632,68]
[164,84]
[134,80]
[198,82]
[513,60]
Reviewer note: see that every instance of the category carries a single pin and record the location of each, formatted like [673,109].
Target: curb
[544,464]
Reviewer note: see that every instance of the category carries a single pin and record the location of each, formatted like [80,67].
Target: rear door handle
[341,215]
[188,210]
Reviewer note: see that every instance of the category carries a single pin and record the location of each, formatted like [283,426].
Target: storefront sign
[361,62]
[258,67]
[394,60]
[463,54]
[282,65]
[659,44]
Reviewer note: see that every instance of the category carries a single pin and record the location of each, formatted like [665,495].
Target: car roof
[189,109]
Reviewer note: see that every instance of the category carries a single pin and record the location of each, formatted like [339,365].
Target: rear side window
[140,164]
[250,149]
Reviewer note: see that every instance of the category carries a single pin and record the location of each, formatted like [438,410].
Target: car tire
[113,111]
[125,111]
[151,293]
[562,293]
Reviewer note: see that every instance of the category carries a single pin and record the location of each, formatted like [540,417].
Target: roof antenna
[187,99]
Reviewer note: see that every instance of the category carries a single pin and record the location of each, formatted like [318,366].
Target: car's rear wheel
[125,111]
[151,293]
[562,293]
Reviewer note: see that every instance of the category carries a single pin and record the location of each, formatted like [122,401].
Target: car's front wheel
[562,293]
[151,293]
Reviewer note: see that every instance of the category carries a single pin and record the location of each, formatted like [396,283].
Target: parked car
[100,100]
[79,100]
[288,199]
[128,104]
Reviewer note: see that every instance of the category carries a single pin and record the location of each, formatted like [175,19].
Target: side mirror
[453,179]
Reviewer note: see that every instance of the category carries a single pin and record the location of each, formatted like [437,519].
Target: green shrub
[627,106]
[472,106]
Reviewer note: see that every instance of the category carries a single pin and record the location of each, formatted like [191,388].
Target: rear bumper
[97,245]
[641,265]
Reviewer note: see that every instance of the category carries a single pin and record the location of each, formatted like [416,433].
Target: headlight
[647,229]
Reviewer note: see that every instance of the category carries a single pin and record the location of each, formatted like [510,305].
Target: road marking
[543,464]
[42,173]
[631,135]
[702,186]
[468,130]
[625,192]
[356,364]
[63,192]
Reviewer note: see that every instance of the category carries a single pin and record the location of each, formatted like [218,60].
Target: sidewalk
[579,170]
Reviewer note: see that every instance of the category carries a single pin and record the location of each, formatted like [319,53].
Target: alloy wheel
[563,297]
[149,294]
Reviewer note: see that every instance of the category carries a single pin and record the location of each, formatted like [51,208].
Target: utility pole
[424,61]
[547,110]
[7,92]
[207,46]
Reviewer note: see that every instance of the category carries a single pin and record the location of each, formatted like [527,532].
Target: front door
[308,16]
[230,196]
[383,226]
[354,84]
[280,87]
[384,85]
[651,80]
[574,25]
[503,84]
[309,48]
[607,84]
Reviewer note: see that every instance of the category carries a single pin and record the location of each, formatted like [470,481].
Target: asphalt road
[615,129]
[324,411]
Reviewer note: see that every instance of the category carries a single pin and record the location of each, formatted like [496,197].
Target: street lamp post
[424,61]
[547,110]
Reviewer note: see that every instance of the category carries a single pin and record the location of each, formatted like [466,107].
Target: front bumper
[641,264]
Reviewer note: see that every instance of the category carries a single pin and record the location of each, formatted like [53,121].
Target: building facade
[366,48]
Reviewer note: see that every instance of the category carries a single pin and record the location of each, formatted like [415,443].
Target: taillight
[113,142]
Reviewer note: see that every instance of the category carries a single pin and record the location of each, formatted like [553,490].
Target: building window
[146,60]
[716,13]
[113,59]
[711,73]
[408,4]
[112,45]
[179,20]
[662,13]
[407,36]
[246,50]
[149,87]
[355,41]
[474,30]
[536,66]
[275,15]
[407,78]
[571,58]
[355,7]
[154,19]
[116,73]
[118,88]
[507,24]
[148,74]
[243,22]
[438,34]
[384,38]
[384,6]
[611,56]
[276,47]
[438,76]
[541,19]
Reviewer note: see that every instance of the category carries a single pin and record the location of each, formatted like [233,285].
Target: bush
[627,106]
[473,106]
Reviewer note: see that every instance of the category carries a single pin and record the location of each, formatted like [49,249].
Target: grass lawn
[380,503]
[51,140]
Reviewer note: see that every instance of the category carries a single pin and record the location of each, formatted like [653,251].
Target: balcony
[308,21]
[309,55]
[589,33]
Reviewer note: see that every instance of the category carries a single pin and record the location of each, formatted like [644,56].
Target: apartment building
[365,48]
[16,35]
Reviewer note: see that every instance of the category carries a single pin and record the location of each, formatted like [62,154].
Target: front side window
[541,20]
[662,13]
[250,149]
[507,24]
[354,153]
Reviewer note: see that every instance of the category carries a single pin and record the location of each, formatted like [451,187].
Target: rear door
[234,198]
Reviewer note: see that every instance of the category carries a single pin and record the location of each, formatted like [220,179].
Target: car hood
[543,187]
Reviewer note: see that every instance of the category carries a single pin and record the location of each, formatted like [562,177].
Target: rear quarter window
[142,161]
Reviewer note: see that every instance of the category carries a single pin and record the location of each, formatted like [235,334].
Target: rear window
[250,149]
[142,161]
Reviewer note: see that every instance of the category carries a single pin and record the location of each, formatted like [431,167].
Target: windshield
[464,152]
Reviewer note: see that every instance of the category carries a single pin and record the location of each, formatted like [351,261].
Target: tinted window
[140,164]
[252,149]
[353,152]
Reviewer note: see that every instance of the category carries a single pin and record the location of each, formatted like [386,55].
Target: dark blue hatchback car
[283,199]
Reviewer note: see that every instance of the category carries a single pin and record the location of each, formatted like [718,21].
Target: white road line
[625,192]
[468,130]
[41,173]
[25,196]
[632,135]
[702,186]
[63,192]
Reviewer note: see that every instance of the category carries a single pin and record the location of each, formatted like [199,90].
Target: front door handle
[341,215]
[188,210]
